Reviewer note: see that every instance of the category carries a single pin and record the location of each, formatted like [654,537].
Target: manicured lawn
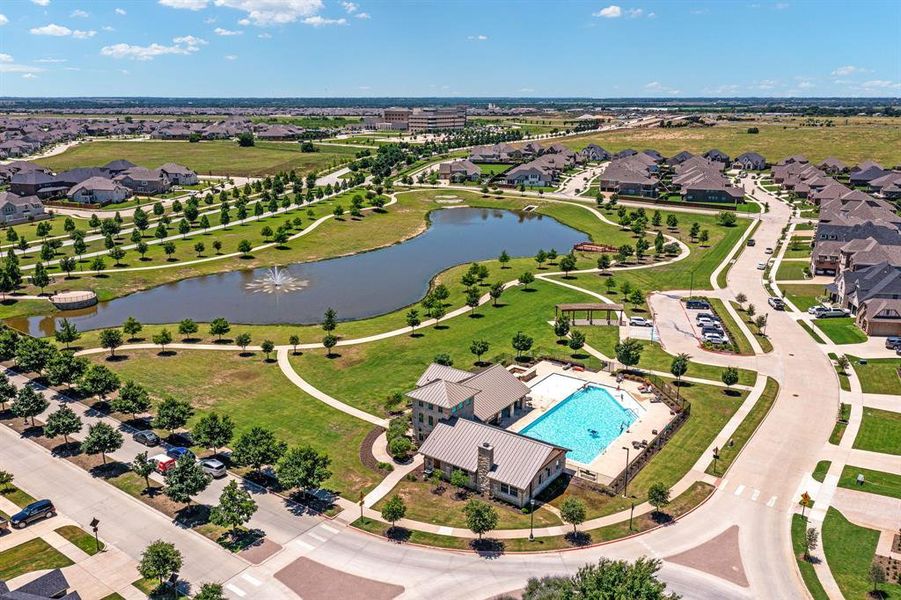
[746,429]
[206,158]
[655,358]
[849,551]
[799,247]
[806,327]
[33,555]
[80,538]
[741,343]
[880,431]
[791,271]
[253,392]
[841,423]
[494,169]
[17,496]
[799,531]
[875,482]
[878,376]
[843,378]
[842,330]
[819,472]
[150,589]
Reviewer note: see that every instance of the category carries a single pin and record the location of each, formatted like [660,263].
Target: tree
[213,432]
[413,320]
[876,574]
[729,377]
[162,339]
[235,507]
[521,343]
[98,265]
[526,279]
[210,591]
[811,539]
[604,262]
[243,340]
[459,480]
[258,447]
[751,310]
[185,479]
[573,511]
[576,340]
[694,231]
[99,381]
[504,258]
[472,299]
[244,248]
[267,347]
[636,297]
[628,352]
[480,517]
[199,248]
[394,510]
[169,250]
[160,560]
[658,496]
[541,258]
[704,237]
[843,363]
[29,404]
[132,327]
[132,399]
[479,347]
[63,422]
[219,327]
[32,354]
[606,579]
[40,278]
[303,467]
[66,333]
[294,340]
[187,328]
[329,342]
[143,467]
[567,264]
[623,253]
[679,366]
[245,139]
[741,299]
[7,390]
[172,414]
[330,320]
[67,264]
[101,439]
[111,339]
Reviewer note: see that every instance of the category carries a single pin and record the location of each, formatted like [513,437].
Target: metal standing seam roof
[436,371]
[443,393]
[498,389]
[517,458]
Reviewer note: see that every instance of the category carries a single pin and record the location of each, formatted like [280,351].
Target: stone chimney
[483,469]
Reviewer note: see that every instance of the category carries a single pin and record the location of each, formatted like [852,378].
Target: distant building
[98,190]
[18,209]
[459,170]
[179,175]
[427,120]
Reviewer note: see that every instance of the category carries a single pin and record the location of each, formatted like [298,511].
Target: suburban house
[498,463]
[117,166]
[750,161]
[833,166]
[678,159]
[179,175]
[52,584]
[444,392]
[17,209]
[530,174]
[36,183]
[98,190]
[888,186]
[459,170]
[593,153]
[869,172]
[497,153]
[718,156]
[873,295]
[144,181]
[630,176]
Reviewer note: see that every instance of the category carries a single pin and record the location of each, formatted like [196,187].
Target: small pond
[358,286]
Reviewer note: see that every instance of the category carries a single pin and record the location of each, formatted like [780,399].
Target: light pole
[626,474]
[532,519]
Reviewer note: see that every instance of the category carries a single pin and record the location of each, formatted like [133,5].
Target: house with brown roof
[98,190]
[144,181]
[750,161]
[459,170]
[19,209]
[873,295]
[179,175]
[833,166]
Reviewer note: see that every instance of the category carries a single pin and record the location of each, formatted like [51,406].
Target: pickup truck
[163,463]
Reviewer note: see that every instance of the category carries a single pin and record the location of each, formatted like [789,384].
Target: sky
[322,48]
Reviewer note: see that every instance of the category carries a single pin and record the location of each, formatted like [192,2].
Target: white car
[640,322]
[769,250]
[815,310]
[761,266]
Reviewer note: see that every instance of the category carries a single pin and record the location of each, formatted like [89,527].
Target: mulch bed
[366,456]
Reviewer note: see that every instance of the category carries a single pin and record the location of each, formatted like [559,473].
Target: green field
[875,482]
[791,271]
[798,532]
[81,538]
[842,330]
[849,551]
[206,158]
[880,431]
[851,140]
[819,472]
[878,376]
[802,295]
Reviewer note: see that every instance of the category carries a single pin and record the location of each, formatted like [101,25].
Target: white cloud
[79,14]
[656,86]
[265,35]
[610,12]
[363,15]
[9,65]
[478,38]
[51,60]
[231,57]
[185,4]
[51,29]
[209,20]
[781,5]
[72,69]
[848,70]
[121,12]
[3,19]
[5,58]
[881,84]
[320,21]
[526,90]
[806,85]
[182,46]
[41,2]
[108,28]
[29,76]
[83,35]
[226,32]
[277,12]
[634,13]
[350,7]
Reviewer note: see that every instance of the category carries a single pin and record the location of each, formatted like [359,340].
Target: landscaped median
[874,482]
[729,452]
[679,506]
[799,543]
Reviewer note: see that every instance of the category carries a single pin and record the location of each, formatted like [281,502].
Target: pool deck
[609,463]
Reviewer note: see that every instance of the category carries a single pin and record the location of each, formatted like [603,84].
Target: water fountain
[276,281]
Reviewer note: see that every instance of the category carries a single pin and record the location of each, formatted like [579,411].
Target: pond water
[358,286]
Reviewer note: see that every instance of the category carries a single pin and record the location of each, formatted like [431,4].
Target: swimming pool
[586,422]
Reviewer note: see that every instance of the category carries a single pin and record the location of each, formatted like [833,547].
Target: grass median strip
[745,429]
[812,333]
[841,423]
[808,574]
[819,472]
[874,482]
[81,538]
[849,551]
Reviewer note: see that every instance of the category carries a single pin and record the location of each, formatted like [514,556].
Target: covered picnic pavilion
[588,309]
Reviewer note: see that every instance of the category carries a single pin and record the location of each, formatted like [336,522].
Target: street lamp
[532,519]
[626,474]
[95,523]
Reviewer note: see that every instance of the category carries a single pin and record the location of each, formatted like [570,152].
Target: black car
[146,437]
[42,509]
[697,305]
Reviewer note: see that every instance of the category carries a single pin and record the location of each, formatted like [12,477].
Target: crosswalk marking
[755,495]
[739,490]
[251,579]
[303,544]
[772,502]
[318,538]
[724,483]
[236,590]
[328,528]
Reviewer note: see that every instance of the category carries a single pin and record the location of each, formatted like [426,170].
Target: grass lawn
[81,538]
[875,482]
[841,423]
[494,169]
[880,431]
[806,327]
[153,590]
[746,429]
[842,330]
[254,392]
[799,531]
[843,378]
[33,555]
[206,158]
[655,358]
[819,472]
[878,376]
[791,271]
[17,496]
[849,551]
[739,340]
[799,247]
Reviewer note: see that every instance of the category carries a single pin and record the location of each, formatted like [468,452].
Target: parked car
[163,463]
[776,303]
[707,317]
[147,438]
[697,305]
[640,322]
[41,509]
[761,266]
[708,324]
[214,467]
[893,342]
[752,242]
[177,452]
[816,310]
[768,250]
[831,313]
[714,339]
[712,330]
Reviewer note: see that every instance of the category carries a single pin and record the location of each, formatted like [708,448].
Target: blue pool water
[586,422]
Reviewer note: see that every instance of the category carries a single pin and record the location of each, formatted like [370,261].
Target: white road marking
[318,538]
[236,590]
[739,490]
[328,528]
[755,495]
[723,484]
[772,501]
[251,580]
[303,544]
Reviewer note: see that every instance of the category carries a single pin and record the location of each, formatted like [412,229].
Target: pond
[356,286]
